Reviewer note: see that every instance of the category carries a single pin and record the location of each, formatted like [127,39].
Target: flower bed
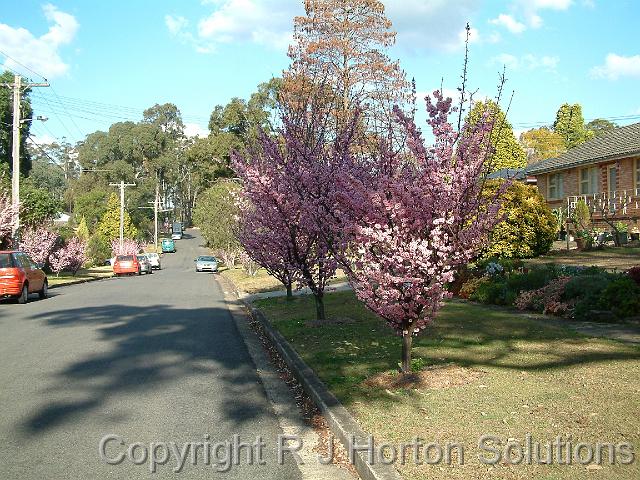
[582,293]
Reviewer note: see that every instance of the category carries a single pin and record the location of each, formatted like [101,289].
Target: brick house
[605,172]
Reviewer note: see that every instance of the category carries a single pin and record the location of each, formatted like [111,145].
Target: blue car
[168,245]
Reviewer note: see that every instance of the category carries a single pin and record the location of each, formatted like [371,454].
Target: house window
[637,176]
[612,178]
[556,187]
[589,181]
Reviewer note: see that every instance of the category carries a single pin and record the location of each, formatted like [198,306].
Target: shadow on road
[153,348]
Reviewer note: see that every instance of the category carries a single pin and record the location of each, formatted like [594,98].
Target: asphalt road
[155,358]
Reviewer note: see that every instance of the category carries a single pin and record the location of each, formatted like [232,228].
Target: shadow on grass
[150,349]
[465,334]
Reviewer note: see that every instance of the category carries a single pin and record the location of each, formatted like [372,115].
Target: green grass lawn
[514,375]
[621,258]
[82,275]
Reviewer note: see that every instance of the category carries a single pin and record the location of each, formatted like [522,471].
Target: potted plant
[584,239]
[622,233]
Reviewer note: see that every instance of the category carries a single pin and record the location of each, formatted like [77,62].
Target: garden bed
[83,275]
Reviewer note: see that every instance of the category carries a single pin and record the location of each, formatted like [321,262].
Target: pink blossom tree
[412,218]
[39,243]
[71,256]
[7,219]
[129,247]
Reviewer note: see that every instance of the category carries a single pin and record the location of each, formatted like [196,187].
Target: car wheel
[24,296]
[139,271]
[45,290]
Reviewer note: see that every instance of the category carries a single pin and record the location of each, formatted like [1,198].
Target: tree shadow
[150,349]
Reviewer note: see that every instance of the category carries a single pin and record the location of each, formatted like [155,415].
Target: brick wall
[571,185]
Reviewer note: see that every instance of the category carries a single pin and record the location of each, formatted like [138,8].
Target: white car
[206,263]
[154,260]
[176,236]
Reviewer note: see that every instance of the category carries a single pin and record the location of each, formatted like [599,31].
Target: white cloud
[195,130]
[263,22]
[41,54]
[421,25]
[433,25]
[616,66]
[526,14]
[43,139]
[508,22]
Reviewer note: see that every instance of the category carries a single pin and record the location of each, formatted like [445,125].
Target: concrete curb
[84,280]
[343,425]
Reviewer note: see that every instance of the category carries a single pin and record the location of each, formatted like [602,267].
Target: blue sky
[107,61]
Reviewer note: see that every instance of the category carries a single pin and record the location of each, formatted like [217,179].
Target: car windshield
[142,257]
[152,255]
[206,259]
[5,260]
[124,258]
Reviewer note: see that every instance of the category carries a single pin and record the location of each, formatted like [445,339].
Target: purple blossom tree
[279,230]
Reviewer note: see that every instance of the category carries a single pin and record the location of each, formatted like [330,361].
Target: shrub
[508,264]
[249,265]
[98,250]
[622,297]
[634,274]
[584,291]
[492,291]
[547,299]
[471,285]
[531,280]
[529,227]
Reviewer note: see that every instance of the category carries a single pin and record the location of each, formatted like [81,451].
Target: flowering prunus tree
[71,256]
[39,243]
[266,243]
[7,219]
[413,217]
[280,230]
[129,247]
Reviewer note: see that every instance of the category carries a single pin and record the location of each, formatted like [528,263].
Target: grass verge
[620,258]
[484,371]
[82,275]
[262,281]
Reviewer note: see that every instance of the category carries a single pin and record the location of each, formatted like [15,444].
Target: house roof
[619,143]
[508,173]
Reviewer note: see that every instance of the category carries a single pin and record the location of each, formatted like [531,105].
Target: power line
[23,65]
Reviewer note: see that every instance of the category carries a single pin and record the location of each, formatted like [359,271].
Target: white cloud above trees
[617,66]
[40,53]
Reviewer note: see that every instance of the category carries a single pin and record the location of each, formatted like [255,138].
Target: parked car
[154,260]
[145,264]
[206,263]
[168,245]
[126,264]
[20,276]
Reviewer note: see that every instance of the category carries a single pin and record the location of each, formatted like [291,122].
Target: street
[155,358]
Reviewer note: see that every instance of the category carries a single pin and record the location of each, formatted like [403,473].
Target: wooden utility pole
[122,186]
[17,87]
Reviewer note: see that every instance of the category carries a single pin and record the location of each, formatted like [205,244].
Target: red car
[124,264]
[20,276]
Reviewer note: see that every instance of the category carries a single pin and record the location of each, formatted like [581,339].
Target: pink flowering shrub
[249,265]
[547,300]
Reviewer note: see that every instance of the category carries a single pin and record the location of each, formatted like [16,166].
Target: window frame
[592,180]
[609,168]
[636,176]
[558,185]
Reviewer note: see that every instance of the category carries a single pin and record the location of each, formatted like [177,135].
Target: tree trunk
[319,307]
[289,291]
[407,339]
